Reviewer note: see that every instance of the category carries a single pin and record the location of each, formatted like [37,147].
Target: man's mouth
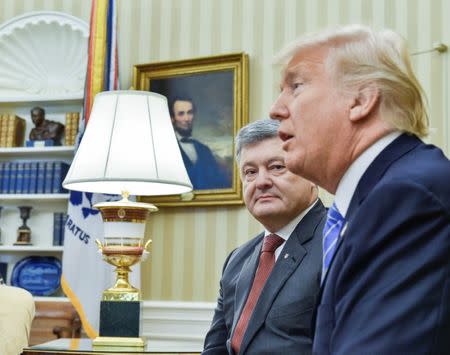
[284,136]
[264,197]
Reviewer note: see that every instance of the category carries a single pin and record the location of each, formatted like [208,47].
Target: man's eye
[249,172]
[277,167]
[297,85]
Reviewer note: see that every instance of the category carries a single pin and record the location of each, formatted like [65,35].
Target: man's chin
[184,132]
[265,209]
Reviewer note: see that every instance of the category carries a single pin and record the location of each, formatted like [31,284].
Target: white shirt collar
[350,180]
[287,230]
[179,137]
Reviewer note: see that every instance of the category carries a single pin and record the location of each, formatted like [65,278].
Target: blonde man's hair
[358,57]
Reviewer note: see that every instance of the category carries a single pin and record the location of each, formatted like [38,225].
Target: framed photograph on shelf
[208,104]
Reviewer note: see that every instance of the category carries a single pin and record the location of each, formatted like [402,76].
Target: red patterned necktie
[265,266]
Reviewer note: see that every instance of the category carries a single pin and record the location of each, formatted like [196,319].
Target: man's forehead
[183,103]
[259,161]
[252,153]
[305,60]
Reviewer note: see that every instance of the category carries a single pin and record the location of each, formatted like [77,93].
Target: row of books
[12,130]
[32,177]
[59,221]
[71,130]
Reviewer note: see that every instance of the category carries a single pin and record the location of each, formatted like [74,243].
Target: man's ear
[364,103]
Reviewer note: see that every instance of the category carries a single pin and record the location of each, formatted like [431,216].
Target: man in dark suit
[270,314]
[201,165]
[351,113]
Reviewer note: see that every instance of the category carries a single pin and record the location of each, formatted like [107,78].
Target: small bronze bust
[45,129]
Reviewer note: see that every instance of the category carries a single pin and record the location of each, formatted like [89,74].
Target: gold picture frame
[217,87]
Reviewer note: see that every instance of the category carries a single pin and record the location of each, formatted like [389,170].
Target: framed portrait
[208,104]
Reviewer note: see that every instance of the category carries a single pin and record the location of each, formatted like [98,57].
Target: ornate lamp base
[111,294]
[120,305]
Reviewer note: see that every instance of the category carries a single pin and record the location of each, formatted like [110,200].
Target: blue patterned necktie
[331,232]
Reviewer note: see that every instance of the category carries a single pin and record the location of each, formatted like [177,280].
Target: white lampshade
[129,145]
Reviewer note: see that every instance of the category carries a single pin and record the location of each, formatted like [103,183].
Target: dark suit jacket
[281,320]
[388,289]
[206,172]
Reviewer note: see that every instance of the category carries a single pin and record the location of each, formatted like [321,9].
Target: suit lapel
[378,168]
[373,174]
[245,281]
[290,258]
[399,147]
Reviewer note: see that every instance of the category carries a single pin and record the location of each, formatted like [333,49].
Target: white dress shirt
[188,148]
[347,186]
[287,230]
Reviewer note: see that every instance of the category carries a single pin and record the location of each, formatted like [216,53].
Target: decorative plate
[39,275]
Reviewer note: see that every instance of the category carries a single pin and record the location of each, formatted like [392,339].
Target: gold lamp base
[120,306]
[122,342]
[113,294]
[123,252]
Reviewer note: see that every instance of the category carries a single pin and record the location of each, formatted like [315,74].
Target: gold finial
[125,195]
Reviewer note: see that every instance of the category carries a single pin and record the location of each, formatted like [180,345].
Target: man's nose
[263,180]
[279,110]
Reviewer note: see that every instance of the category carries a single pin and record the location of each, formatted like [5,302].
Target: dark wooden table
[84,346]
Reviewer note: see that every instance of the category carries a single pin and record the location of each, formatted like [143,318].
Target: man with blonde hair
[351,113]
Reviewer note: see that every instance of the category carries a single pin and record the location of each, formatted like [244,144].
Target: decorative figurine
[45,130]
[24,232]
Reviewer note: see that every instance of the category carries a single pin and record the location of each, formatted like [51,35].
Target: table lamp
[129,148]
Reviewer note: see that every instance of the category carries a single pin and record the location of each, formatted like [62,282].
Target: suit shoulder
[424,170]
[201,146]
[243,251]
[249,245]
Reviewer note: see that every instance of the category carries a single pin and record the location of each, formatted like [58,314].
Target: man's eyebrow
[275,159]
[247,163]
[299,70]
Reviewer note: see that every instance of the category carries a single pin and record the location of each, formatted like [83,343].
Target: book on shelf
[6,176]
[26,177]
[2,169]
[30,177]
[48,177]
[40,177]
[12,177]
[71,128]
[32,189]
[12,130]
[19,177]
[59,220]
[3,128]
[60,170]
